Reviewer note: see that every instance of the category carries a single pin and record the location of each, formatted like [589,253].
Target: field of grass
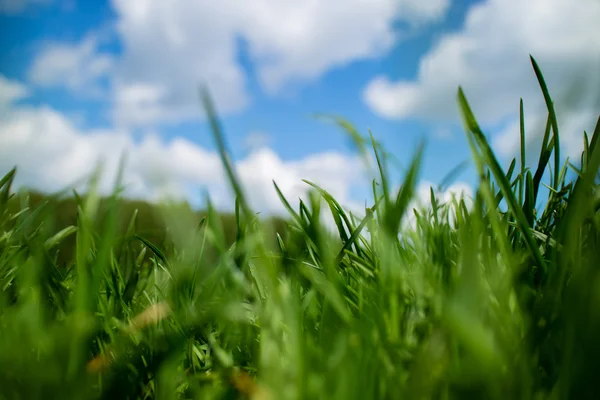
[484,298]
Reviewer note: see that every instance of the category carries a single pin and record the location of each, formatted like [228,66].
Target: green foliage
[101,298]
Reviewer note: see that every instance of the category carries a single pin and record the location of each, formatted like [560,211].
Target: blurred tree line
[151,223]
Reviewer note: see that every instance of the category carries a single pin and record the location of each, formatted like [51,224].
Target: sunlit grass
[473,301]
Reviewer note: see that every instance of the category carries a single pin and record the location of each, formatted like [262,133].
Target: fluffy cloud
[334,171]
[489,57]
[11,91]
[256,140]
[78,66]
[171,47]
[51,153]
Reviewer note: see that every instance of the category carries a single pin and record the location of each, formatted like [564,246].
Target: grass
[477,300]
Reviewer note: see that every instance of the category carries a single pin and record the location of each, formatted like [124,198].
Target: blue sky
[85,80]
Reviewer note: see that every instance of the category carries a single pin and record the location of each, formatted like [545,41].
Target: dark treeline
[56,213]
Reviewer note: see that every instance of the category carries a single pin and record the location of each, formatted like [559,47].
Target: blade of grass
[490,159]
[215,127]
[552,116]
[522,146]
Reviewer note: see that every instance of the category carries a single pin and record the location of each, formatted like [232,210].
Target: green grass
[491,298]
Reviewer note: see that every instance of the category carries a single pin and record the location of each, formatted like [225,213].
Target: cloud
[13,7]
[256,140]
[11,91]
[76,66]
[334,171]
[139,104]
[51,153]
[171,47]
[489,57]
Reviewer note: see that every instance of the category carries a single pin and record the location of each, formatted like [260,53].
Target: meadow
[491,297]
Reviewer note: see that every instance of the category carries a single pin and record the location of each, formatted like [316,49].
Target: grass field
[489,297]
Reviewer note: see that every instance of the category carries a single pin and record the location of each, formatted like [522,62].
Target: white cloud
[51,153]
[171,47]
[422,11]
[256,140]
[489,57]
[11,91]
[334,171]
[12,7]
[139,103]
[77,66]
[48,150]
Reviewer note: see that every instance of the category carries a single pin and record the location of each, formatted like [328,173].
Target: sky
[83,82]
